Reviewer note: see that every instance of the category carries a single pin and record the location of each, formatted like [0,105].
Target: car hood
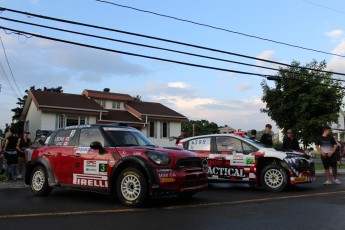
[173,153]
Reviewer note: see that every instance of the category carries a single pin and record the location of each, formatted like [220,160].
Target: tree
[137,98]
[18,125]
[303,99]
[201,127]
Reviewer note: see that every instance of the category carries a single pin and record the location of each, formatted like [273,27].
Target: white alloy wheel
[38,180]
[130,187]
[274,178]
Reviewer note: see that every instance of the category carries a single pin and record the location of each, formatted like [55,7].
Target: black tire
[131,187]
[274,178]
[39,182]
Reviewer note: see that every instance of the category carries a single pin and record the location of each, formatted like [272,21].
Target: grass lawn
[319,166]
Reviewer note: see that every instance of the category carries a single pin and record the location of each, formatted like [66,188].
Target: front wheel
[39,182]
[131,187]
[274,178]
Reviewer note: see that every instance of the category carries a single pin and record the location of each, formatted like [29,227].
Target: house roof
[107,95]
[120,116]
[47,99]
[154,109]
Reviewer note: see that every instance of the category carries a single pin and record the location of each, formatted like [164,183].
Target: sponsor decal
[124,152]
[90,180]
[300,179]
[167,180]
[111,163]
[77,127]
[249,161]
[240,161]
[164,175]
[227,172]
[95,167]
[137,153]
[67,138]
[213,163]
[65,143]
[72,133]
[164,170]
[47,140]
[82,150]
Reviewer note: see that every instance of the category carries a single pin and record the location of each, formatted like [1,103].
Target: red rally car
[116,159]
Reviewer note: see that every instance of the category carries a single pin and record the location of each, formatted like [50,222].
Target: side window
[50,139]
[203,144]
[64,138]
[90,135]
[229,144]
[247,148]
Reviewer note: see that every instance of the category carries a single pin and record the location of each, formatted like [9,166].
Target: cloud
[335,33]
[180,85]
[267,55]
[337,64]
[244,87]
[238,113]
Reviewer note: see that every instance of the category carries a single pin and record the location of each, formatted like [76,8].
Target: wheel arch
[41,162]
[262,162]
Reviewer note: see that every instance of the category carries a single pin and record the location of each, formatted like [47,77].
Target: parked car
[115,159]
[237,158]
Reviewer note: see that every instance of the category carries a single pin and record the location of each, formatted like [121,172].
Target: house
[47,110]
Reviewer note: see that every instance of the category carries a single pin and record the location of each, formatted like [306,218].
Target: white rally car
[237,158]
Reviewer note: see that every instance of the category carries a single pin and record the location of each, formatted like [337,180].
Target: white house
[45,110]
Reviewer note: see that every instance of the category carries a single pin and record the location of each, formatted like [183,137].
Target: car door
[238,164]
[91,166]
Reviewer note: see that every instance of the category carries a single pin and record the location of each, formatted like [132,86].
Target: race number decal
[200,144]
[95,167]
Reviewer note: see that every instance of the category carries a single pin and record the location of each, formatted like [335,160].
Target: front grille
[189,163]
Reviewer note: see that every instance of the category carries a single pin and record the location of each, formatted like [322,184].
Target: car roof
[113,125]
[214,135]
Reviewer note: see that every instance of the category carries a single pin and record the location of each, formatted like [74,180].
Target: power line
[163,39]
[322,6]
[219,28]
[20,32]
[152,47]
[4,75]
[9,66]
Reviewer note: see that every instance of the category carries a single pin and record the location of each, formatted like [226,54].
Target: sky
[223,97]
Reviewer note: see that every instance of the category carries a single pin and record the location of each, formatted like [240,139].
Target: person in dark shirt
[266,138]
[11,156]
[290,142]
[326,145]
[182,135]
[253,134]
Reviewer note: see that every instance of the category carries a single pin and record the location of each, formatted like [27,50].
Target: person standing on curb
[326,145]
[11,156]
[23,144]
[266,138]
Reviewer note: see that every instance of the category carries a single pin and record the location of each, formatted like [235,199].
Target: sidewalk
[21,184]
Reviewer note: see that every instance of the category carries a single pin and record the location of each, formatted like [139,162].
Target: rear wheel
[39,182]
[131,187]
[274,178]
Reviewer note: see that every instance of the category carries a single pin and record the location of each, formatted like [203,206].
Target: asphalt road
[222,206]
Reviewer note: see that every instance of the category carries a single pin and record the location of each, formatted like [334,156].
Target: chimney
[106,90]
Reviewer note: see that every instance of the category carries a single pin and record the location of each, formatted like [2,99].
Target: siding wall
[174,131]
[33,119]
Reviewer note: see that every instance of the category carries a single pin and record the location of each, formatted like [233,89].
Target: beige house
[45,110]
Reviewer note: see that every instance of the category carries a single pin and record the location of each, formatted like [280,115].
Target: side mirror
[97,145]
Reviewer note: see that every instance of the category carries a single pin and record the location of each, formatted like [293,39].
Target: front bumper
[301,170]
[179,181]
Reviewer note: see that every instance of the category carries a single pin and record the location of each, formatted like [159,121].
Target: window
[152,129]
[203,144]
[116,105]
[164,129]
[64,138]
[101,102]
[247,148]
[229,144]
[70,120]
[87,136]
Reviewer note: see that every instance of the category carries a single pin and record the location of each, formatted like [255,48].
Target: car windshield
[126,137]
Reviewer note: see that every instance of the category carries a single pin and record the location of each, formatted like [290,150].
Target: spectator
[266,138]
[23,144]
[182,135]
[253,134]
[337,153]
[326,145]
[290,142]
[11,156]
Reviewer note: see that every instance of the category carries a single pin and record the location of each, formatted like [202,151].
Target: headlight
[158,157]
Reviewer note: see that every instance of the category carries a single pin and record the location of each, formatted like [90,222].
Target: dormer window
[116,105]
